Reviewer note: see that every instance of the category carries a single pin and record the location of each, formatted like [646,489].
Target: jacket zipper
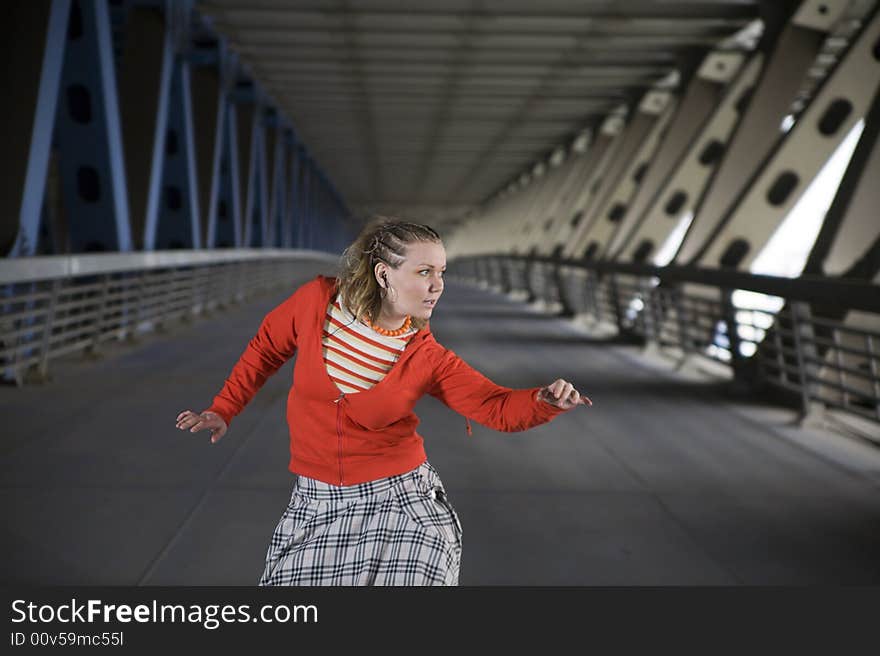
[338,402]
[339,434]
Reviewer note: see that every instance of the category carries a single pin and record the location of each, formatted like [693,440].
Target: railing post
[591,294]
[648,317]
[225,291]
[683,341]
[504,268]
[484,275]
[780,356]
[875,379]
[805,352]
[13,365]
[567,310]
[527,280]
[541,286]
[688,316]
[93,349]
[20,347]
[615,301]
[243,270]
[838,357]
[206,286]
[42,371]
[652,311]
[548,284]
[483,271]
[168,292]
[235,272]
[496,272]
[737,362]
[138,306]
[194,276]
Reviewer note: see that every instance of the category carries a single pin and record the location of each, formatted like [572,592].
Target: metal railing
[56,305]
[803,338]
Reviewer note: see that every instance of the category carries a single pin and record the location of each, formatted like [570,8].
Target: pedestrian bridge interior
[670,204]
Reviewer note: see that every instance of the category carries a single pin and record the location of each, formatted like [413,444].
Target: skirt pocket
[443,499]
[429,509]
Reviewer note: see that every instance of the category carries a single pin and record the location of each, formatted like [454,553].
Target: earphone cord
[341,327]
[345,311]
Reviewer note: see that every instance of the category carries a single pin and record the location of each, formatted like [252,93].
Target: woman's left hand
[563,395]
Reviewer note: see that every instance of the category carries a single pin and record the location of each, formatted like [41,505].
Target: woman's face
[417,283]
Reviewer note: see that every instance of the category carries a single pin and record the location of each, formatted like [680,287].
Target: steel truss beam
[758,132]
[700,100]
[172,216]
[798,156]
[641,237]
[623,178]
[78,67]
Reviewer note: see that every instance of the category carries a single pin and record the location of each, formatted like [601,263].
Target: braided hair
[384,239]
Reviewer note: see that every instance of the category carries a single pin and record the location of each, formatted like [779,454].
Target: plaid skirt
[400,530]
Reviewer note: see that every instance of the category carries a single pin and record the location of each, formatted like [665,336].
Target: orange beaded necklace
[392,333]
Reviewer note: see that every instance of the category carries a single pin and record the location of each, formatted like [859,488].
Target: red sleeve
[471,394]
[272,346]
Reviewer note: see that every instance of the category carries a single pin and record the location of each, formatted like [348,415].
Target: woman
[367,508]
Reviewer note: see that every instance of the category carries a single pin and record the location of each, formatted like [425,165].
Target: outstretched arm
[471,394]
[272,346]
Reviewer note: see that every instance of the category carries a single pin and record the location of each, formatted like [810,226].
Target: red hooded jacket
[345,439]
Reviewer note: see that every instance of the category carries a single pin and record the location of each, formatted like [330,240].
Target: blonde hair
[384,239]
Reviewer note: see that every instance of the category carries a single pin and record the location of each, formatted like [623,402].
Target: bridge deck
[666,480]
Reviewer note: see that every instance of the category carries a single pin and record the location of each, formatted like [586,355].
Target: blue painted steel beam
[34,190]
[88,134]
[172,219]
[308,202]
[278,197]
[78,68]
[256,204]
[300,198]
[224,213]
[291,213]
[203,56]
[324,223]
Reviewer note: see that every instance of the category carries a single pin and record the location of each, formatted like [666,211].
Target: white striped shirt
[356,356]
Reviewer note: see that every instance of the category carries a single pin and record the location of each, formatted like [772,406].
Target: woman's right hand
[205,420]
